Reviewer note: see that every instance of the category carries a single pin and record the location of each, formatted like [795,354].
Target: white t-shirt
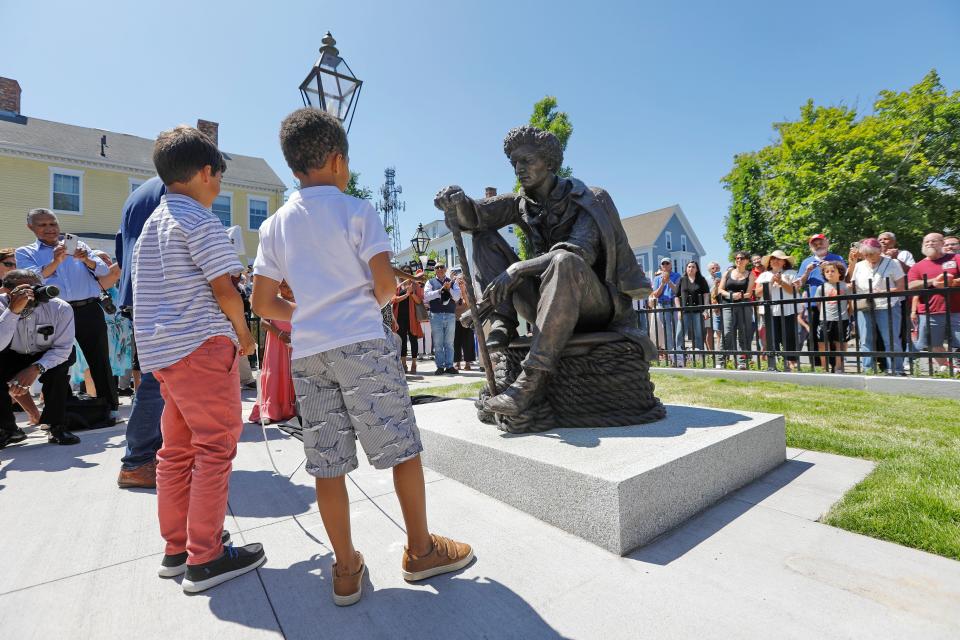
[789,276]
[864,274]
[906,258]
[321,242]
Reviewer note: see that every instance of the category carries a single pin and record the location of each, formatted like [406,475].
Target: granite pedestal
[617,487]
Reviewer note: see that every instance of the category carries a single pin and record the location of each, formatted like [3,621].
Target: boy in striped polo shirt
[333,251]
[188,321]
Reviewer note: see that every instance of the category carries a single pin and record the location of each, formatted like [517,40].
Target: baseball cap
[817,236]
[666,261]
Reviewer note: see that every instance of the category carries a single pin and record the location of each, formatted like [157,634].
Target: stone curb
[931,388]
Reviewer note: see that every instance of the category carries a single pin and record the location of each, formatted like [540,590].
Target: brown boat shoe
[348,589]
[447,555]
[143,477]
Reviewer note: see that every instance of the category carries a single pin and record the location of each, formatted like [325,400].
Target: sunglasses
[12,265]
[742,258]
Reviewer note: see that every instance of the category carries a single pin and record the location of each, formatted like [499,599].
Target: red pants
[201,424]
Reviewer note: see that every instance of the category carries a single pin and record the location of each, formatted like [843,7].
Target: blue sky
[661,94]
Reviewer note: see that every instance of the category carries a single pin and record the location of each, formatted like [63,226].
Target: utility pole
[390,206]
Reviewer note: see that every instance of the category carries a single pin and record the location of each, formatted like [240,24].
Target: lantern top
[420,240]
[331,84]
[329,45]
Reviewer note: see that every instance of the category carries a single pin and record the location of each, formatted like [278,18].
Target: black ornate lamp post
[331,84]
[420,242]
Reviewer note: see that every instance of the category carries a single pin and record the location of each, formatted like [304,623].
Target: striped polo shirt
[181,248]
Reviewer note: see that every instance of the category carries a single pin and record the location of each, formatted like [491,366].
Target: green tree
[354,189]
[747,223]
[545,116]
[896,168]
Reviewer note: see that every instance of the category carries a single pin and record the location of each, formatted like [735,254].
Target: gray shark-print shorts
[357,391]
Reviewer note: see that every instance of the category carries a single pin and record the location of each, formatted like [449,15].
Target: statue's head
[536,155]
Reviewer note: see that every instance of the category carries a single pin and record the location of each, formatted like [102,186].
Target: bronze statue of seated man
[583,273]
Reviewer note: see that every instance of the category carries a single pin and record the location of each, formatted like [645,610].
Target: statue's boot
[502,332]
[518,397]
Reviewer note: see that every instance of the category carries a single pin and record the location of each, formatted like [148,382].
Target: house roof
[644,229]
[124,150]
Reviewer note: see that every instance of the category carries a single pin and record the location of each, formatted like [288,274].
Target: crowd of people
[59,316]
[172,315]
[821,306]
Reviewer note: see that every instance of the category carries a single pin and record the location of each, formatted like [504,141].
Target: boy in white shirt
[333,251]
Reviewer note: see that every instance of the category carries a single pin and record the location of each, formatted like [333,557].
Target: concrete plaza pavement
[81,555]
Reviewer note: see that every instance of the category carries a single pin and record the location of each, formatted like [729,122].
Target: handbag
[422,314]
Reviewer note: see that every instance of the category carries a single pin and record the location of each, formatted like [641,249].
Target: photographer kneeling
[36,335]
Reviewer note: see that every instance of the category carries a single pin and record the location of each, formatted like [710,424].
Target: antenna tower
[390,205]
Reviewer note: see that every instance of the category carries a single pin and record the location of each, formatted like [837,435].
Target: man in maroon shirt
[939,313]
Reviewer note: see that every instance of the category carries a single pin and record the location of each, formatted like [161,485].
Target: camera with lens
[45,292]
[106,303]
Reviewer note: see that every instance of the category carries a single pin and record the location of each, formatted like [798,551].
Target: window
[135,183]
[683,243]
[222,207]
[642,261]
[669,240]
[66,194]
[258,212]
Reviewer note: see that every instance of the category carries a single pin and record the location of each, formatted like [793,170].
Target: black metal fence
[881,335]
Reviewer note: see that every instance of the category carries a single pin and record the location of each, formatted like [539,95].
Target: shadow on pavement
[679,419]
[452,607]
[37,455]
[676,543]
[264,494]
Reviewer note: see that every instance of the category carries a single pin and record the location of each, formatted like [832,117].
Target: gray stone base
[617,487]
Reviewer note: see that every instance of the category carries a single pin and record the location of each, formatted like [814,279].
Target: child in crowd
[835,320]
[277,400]
[333,251]
[188,322]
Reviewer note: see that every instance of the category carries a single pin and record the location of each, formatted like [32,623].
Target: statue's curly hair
[547,145]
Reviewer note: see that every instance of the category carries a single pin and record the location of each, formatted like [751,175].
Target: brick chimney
[489,192]
[9,95]
[211,129]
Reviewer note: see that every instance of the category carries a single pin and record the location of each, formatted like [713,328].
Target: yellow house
[85,175]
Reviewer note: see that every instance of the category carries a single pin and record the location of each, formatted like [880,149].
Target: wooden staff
[472,299]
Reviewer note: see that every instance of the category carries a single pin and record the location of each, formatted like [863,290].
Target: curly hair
[308,136]
[547,145]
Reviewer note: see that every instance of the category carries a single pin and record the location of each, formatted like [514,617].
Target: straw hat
[778,254]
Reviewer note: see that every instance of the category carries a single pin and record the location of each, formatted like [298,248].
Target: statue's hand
[501,287]
[448,198]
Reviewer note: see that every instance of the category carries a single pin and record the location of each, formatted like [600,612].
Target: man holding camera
[76,277]
[442,294]
[36,335]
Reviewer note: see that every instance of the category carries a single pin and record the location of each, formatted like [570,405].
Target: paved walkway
[80,557]
[426,377]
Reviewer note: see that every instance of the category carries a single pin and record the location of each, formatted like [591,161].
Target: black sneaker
[175,565]
[234,562]
[439,372]
[452,371]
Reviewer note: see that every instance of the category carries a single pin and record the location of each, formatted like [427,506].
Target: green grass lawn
[913,495]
